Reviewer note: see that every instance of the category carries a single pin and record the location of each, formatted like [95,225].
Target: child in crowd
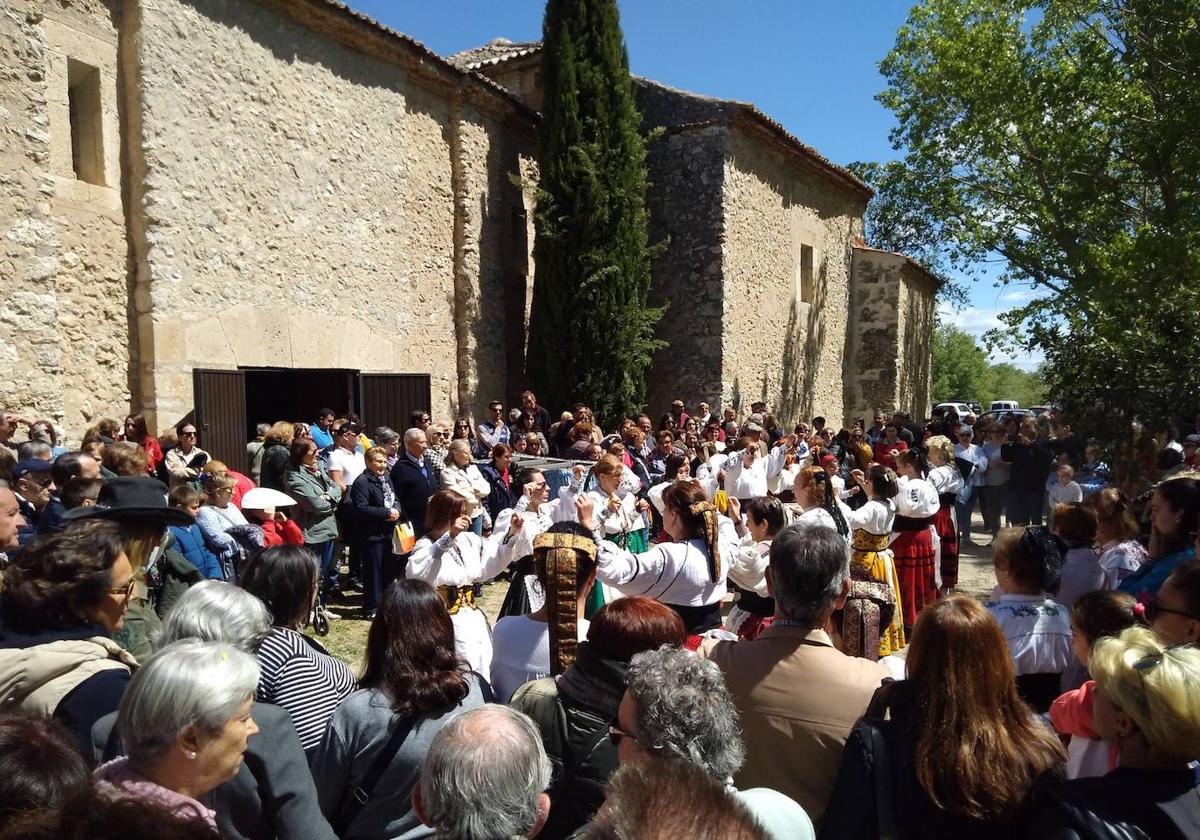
[261,506]
[80,492]
[1063,488]
[1075,525]
[1094,616]
[189,540]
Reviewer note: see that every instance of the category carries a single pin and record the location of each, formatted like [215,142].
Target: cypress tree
[591,331]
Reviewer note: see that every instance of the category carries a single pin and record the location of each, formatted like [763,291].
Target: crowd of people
[714,627]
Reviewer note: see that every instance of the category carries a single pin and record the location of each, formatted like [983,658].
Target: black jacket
[1124,804]
[51,519]
[1031,464]
[413,489]
[853,811]
[570,716]
[271,796]
[370,518]
[501,498]
[276,460]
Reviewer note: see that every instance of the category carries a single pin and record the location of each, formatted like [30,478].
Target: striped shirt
[299,676]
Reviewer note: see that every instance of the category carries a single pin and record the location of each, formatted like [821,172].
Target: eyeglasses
[615,735]
[1154,610]
[125,591]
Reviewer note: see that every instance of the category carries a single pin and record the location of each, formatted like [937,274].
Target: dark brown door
[389,399]
[220,415]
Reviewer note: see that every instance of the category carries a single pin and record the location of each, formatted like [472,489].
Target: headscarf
[707,511]
[562,592]
[1040,542]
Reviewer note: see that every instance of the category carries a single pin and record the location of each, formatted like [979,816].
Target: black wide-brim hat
[135,499]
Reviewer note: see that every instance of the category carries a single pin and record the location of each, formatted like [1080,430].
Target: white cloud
[976,321]
[1017,296]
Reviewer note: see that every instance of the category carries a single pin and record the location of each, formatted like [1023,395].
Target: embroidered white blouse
[672,572]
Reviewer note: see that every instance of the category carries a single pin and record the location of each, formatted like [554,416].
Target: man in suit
[798,695]
[414,478]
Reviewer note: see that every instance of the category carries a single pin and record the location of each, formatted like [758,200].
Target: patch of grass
[347,639]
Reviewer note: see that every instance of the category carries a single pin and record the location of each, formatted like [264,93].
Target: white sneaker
[330,616]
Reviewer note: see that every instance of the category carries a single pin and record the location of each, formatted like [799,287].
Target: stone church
[241,210]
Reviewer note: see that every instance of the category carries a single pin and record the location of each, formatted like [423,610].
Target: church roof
[496,51]
[501,50]
[353,23]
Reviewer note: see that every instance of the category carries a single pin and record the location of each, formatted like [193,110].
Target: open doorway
[297,394]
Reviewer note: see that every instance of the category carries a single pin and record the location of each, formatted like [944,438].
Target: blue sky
[811,65]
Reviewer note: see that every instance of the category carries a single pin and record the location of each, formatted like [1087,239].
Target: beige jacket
[798,697]
[468,483]
[37,678]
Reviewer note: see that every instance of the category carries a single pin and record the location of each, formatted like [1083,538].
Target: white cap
[261,498]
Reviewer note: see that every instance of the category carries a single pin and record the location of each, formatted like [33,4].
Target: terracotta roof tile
[494,52]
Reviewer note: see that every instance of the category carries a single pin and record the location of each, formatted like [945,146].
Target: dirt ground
[347,637]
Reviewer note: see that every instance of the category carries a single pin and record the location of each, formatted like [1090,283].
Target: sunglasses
[1154,610]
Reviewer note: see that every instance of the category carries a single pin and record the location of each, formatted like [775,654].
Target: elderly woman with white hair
[464,478]
[184,721]
[676,705]
[272,795]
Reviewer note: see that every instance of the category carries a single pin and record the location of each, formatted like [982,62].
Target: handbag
[403,537]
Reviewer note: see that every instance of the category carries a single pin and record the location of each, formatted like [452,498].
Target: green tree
[960,368]
[1062,137]
[1009,382]
[591,332]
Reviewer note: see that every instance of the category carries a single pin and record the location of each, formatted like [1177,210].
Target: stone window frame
[806,274]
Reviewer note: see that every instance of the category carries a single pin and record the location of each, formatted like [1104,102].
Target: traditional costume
[454,565]
[913,546]
[524,592]
[687,576]
[748,577]
[621,524]
[871,559]
[947,481]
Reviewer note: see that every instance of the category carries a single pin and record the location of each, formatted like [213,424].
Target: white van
[1004,405]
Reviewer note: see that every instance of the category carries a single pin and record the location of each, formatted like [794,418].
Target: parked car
[1049,410]
[959,408]
[1004,405]
[1002,416]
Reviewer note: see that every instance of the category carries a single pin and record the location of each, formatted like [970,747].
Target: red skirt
[915,560]
[943,523]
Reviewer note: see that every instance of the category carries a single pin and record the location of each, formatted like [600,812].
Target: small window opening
[807,284]
[87,146]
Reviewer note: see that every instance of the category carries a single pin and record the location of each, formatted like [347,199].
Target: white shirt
[535,522]
[1064,493]
[622,520]
[708,485]
[467,559]
[1038,632]
[1081,573]
[351,464]
[671,572]
[749,569]
[742,482]
[811,516]
[946,479]
[875,517]
[976,456]
[917,499]
[521,652]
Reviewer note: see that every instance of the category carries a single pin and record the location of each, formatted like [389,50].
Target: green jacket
[317,496]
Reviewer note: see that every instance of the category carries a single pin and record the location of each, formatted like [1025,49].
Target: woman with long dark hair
[136,432]
[960,749]
[945,477]
[413,683]
[871,559]
[455,559]
[1175,519]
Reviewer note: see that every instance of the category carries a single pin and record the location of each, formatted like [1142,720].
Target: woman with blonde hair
[217,518]
[1116,533]
[464,478]
[960,750]
[946,479]
[1147,702]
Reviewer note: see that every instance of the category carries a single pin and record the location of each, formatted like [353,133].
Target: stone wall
[64,333]
[778,347]
[303,207]
[888,358]
[686,213]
